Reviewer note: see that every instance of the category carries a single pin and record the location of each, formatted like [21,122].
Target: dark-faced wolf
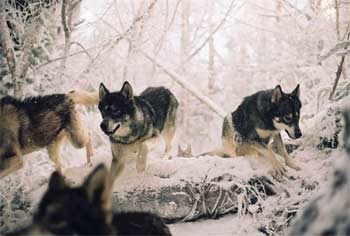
[130,121]
[87,210]
[255,126]
[45,121]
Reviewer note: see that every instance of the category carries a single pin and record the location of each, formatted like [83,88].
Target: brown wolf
[33,123]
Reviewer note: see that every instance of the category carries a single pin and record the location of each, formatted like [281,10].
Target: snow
[298,186]
[228,225]
[254,51]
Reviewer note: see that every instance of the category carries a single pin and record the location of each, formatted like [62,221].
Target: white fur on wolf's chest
[153,145]
[267,134]
[264,133]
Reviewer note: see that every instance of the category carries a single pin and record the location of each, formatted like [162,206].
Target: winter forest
[210,55]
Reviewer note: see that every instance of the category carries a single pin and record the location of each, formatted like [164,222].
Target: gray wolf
[254,128]
[29,124]
[131,121]
[87,210]
[186,152]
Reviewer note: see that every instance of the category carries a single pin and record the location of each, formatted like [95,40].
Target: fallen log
[191,188]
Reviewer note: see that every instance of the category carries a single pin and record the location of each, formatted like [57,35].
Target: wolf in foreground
[33,123]
[87,210]
[131,121]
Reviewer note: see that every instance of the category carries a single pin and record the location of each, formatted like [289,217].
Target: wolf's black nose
[298,133]
[103,126]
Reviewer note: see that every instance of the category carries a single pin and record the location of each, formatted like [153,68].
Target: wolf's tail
[220,153]
[81,97]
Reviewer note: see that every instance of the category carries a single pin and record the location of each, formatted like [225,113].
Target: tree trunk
[211,47]
[7,45]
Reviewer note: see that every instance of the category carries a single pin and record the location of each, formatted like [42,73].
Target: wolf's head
[117,109]
[286,111]
[84,210]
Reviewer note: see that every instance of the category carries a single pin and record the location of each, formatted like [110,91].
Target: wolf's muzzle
[298,133]
[105,126]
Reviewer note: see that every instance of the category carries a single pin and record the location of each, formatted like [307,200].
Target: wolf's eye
[55,218]
[287,118]
[117,112]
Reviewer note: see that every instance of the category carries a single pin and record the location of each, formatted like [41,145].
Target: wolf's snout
[109,128]
[298,133]
[104,127]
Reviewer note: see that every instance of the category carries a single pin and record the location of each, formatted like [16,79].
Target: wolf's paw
[292,164]
[3,174]
[167,157]
[278,169]
[140,168]
[89,164]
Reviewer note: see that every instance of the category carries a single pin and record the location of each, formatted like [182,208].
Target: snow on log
[189,188]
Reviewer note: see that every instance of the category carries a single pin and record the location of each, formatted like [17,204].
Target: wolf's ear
[103,91]
[189,149]
[179,150]
[127,90]
[56,182]
[296,91]
[276,94]
[98,188]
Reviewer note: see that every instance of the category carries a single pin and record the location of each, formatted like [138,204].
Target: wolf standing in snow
[257,123]
[130,121]
[44,121]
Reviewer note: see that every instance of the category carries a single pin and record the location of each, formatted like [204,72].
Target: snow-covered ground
[21,191]
[228,225]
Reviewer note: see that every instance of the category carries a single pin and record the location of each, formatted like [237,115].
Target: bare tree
[211,48]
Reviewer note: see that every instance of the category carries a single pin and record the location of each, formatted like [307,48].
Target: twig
[189,87]
[339,71]
[337,77]
[66,23]
[336,48]
[110,45]
[307,16]
[221,23]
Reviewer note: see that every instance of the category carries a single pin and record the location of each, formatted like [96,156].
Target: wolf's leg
[79,135]
[228,141]
[89,150]
[141,158]
[169,129]
[10,165]
[281,150]
[229,145]
[54,150]
[254,148]
[118,161]
[168,135]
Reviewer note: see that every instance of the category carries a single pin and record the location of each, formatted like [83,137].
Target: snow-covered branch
[188,86]
[211,34]
[339,46]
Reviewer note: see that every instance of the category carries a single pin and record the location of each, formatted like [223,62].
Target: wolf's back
[81,97]
[162,101]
